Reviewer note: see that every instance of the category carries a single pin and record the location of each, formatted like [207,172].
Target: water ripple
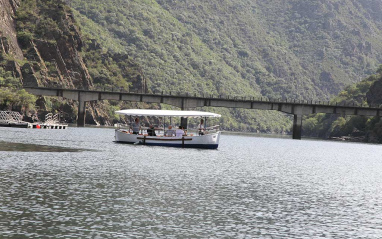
[249,188]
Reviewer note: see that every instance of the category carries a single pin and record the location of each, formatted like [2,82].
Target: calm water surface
[78,183]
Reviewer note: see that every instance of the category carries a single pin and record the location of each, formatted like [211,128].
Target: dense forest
[358,128]
[293,49]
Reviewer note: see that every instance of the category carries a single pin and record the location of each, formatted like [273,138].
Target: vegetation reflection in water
[20,147]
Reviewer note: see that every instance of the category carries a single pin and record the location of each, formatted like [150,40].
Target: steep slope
[294,48]
[8,39]
[10,58]
[309,48]
[374,94]
[173,57]
[51,51]
[277,49]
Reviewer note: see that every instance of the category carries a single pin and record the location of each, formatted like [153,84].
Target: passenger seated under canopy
[170,132]
[179,132]
[151,131]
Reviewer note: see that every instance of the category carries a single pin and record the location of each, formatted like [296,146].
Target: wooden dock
[14,119]
[50,126]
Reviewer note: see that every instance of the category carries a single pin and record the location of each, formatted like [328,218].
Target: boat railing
[159,130]
[213,129]
[120,125]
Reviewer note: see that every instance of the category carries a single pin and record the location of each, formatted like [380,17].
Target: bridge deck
[295,107]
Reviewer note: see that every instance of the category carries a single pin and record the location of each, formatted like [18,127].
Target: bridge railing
[350,103]
[111,89]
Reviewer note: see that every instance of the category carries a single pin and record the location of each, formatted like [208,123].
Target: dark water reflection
[249,188]
[20,147]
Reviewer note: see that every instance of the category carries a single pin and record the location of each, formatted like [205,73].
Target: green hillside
[278,49]
[55,53]
[275,48]
[174,58]
[293,49]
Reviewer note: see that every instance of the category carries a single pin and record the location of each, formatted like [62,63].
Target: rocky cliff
[52,45]
[41,45]
[374,95]
[8,37]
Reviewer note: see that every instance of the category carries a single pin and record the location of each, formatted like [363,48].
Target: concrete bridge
[296,108]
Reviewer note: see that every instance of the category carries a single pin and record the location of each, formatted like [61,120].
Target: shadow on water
[20,147]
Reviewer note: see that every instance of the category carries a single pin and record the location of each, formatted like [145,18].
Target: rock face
[327,80]
[54,49]
[374,95]
[8,38]
[41,45]
[137,79]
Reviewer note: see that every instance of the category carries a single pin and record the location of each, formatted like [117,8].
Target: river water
[78,183]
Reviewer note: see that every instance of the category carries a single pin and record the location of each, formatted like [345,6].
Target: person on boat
[170,132]
[201,128]
[179,132]
[151,130]
[136,126]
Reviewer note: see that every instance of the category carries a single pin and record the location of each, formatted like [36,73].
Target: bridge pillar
[297,125]
[81,113]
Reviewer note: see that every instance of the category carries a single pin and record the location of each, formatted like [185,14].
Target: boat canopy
[169,113]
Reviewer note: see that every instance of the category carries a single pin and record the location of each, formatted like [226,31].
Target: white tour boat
[209,139]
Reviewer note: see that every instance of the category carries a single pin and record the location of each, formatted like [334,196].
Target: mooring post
[297,125]
[81,111]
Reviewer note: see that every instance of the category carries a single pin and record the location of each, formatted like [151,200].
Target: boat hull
[208,141]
